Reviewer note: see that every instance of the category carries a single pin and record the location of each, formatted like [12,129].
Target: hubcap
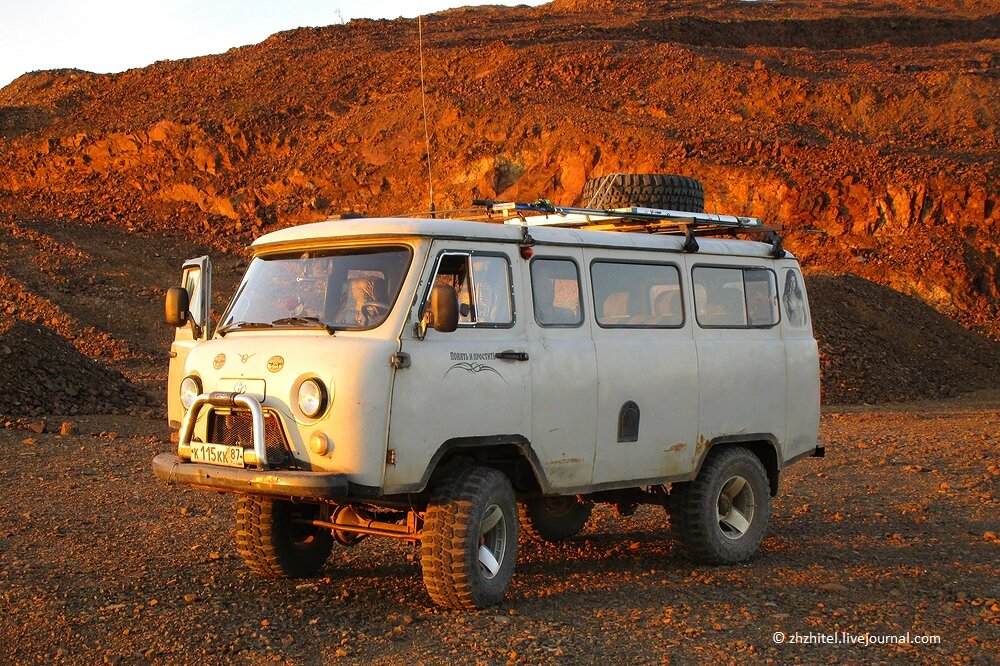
[492,540]
[735,506]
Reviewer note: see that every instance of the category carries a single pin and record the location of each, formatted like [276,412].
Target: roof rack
[635,219]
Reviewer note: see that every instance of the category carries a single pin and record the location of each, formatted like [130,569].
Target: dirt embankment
[868,130]
[873,124]
[877,345]
[44,375]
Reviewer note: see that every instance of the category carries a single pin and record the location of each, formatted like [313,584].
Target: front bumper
[287,484]
[262,481]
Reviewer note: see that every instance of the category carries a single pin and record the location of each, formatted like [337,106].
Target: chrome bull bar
[225,399]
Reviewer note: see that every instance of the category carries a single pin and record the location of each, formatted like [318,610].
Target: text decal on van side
[464,356]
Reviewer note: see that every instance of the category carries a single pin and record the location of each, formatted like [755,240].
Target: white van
[458,383]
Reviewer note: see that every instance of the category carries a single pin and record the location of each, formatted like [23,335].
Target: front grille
[235,428]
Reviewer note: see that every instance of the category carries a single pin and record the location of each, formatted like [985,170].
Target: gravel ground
[894,533]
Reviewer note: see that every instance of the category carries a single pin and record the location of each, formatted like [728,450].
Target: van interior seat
[357,297]
[553,314]
[726,307]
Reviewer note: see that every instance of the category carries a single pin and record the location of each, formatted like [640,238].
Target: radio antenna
[423,105]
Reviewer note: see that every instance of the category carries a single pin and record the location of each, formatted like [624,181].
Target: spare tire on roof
[645,190]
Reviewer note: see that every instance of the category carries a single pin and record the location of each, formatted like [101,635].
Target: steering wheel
[373,310]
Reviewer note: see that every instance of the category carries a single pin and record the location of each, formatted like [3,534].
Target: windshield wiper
[305,321]
[222,330]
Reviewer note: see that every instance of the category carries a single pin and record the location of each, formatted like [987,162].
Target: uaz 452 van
[459,384]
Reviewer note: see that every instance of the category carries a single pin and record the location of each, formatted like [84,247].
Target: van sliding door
[647,415]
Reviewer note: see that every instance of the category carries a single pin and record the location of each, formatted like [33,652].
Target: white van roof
[368,228]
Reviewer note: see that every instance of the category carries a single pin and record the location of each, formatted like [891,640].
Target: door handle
[511,355]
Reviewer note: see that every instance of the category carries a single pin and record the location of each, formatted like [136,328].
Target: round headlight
[312,398]
[190,389]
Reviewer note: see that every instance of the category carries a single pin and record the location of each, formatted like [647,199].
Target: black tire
[461,506]
[646,190]
[554,518]
[272,544]
[697,507]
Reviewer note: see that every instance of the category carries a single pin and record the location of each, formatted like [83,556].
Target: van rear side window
[636,295]
[735,297]
[555,290]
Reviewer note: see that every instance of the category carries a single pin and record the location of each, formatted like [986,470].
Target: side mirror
[176,306]
[444,308]
[441,312]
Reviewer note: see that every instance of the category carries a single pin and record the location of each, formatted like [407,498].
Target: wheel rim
[492,541]
[736,506]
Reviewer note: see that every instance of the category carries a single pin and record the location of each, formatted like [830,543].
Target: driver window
[486,276]
[491,279]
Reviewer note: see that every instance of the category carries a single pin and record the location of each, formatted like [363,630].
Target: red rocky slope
[869,129]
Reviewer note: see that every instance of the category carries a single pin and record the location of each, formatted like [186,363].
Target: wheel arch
[510,454]
[763,445]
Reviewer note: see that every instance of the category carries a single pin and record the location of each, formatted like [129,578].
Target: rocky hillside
[868,129]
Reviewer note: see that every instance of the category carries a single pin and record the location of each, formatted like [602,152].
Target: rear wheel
[646,190]
[721,516]
[274,541]
[469,541]
[554,518]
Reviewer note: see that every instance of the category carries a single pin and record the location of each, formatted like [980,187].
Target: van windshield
[348,289]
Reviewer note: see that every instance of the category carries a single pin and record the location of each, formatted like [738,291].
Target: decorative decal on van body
[469,364]
[476,368]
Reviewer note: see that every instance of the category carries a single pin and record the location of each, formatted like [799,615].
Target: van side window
[762,297]
[486,276]
[636,295]
[555,290]
[735,297]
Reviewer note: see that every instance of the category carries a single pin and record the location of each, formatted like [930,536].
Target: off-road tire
[273,545]
[450,543]
[645,190]
[554,518]
[695,508]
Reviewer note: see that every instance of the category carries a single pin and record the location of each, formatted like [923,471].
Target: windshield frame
[318,252]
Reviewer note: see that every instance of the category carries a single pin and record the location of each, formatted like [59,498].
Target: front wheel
[721,516]
[275,539]
[469,541]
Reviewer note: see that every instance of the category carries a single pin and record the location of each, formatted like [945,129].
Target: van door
[197,280]
[741,356]
[469,387]
[647,416]
[563,369]
[802,358]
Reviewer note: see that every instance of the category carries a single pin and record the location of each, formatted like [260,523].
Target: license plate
[217,454]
